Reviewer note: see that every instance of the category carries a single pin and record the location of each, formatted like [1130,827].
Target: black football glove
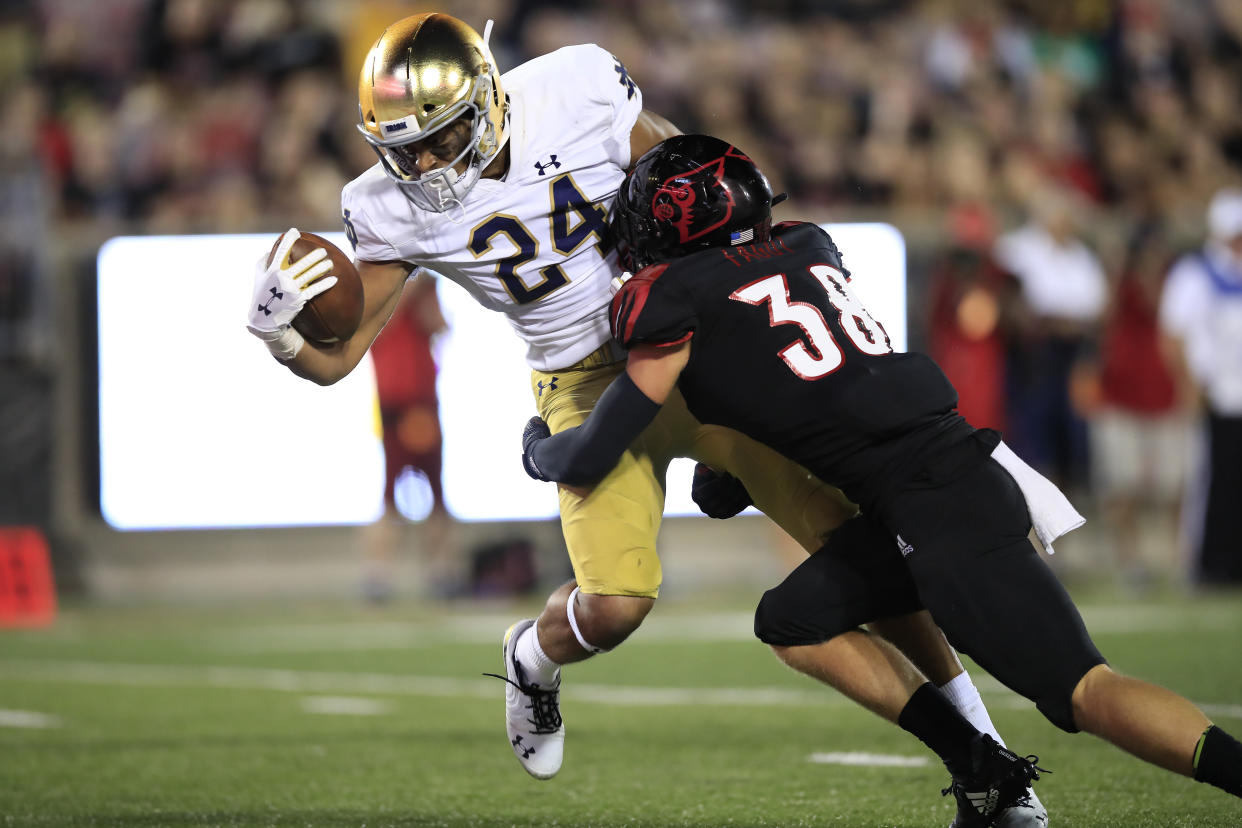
[536,430]
[718,494]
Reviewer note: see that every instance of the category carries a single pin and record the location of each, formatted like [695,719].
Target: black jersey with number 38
[783,351]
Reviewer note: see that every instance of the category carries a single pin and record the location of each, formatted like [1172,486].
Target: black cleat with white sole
[997,792]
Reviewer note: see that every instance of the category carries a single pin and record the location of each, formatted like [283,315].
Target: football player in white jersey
[503,185]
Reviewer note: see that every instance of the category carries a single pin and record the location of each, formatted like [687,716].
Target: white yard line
[344,684]
[1222,711]
[878,760]
[486,628]
[305,681]
[473,629]
[347,706]
[28,719]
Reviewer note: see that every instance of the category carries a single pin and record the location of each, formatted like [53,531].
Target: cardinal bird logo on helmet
[689,193]
[689,200]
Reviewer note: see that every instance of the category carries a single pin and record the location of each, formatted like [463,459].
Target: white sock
[965,697]
[539,668]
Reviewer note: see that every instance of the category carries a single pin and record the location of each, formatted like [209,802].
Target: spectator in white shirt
[1062,295]
[1201,323]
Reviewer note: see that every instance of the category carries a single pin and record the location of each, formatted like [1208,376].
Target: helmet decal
[688,193]
[674,200]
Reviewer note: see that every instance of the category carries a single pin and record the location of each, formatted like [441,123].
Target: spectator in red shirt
[965,334]
[405,379]
[1138,434]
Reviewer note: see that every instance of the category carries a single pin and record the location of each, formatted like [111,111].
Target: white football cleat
[532,713]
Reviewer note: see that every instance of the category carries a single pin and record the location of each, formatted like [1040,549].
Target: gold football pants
[610,529]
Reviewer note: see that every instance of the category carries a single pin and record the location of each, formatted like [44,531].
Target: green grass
[197,717]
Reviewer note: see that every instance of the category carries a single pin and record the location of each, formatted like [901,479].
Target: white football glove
[281,290]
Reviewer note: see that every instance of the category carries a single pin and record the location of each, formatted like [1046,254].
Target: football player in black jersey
[759,329]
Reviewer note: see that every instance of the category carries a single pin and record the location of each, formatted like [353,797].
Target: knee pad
[1058,708]
[783,620]
[858,576]
[1057,704]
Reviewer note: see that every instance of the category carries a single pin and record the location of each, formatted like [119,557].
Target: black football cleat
[998,786]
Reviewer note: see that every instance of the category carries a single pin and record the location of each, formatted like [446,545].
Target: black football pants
[959,549]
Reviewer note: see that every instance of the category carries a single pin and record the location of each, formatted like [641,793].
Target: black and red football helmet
[688,193]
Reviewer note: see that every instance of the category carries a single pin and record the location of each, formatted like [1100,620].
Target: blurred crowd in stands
[1048,162]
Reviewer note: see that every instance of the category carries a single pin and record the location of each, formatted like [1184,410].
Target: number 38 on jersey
[817,354]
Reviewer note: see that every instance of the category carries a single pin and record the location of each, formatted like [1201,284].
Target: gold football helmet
[424,73]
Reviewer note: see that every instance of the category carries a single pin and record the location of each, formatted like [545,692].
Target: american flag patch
[742,236]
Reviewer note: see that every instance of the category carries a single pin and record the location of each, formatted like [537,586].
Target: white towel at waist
[1052,514]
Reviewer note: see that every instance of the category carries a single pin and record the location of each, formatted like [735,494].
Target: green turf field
[347,716]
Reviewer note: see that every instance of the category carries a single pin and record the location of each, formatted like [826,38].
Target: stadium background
[949,119]
[946,119]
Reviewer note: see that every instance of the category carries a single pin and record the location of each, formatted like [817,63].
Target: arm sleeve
[586,453]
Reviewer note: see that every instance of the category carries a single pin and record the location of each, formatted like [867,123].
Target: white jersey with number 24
[532,244]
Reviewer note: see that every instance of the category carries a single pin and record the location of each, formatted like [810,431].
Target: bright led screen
[199,427]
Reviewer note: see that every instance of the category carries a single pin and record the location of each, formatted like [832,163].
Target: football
[336,313]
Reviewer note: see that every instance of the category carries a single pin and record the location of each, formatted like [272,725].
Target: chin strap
[487,32]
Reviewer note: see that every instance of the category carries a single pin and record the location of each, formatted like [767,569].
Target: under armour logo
[550,386]
[552,164]
[521,748]
[266,307]
[904,547]
[625,79]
